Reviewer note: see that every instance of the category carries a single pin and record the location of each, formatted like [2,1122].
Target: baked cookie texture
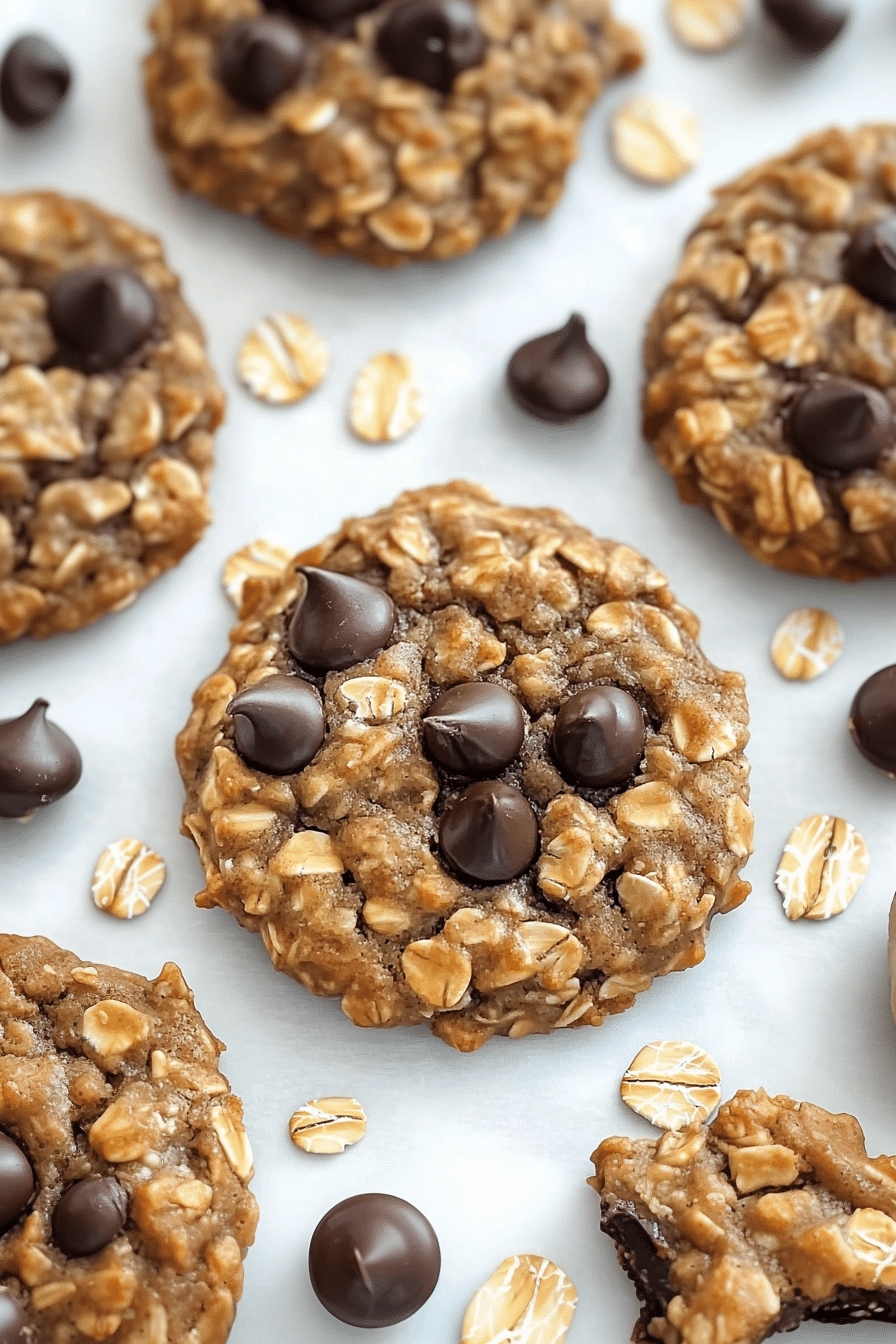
[772,1215]
[355,159]
[103,475]
[339,867]
[760,309]
[103,1073]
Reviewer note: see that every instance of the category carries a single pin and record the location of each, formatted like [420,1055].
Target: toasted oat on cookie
[466,764]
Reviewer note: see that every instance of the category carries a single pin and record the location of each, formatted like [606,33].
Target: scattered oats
[259,560]
[328,1125]
[823,865]
[127,878]
[806,643]
[654,139]
[386,402]
[673,1084]
[527,1300]
[282,359]
[708,25]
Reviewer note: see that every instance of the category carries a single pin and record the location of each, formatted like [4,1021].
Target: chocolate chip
[431,41]
[100,315]
[560,376]
[338,621]
[872,719]
[373,1260]
[260,58]
[16,1182]
[870,262]
[325,13]
[839,425]
[278,724]
[38,762]
[89,1215]
[643,1251]
[489,833]
[474,729]
[34,79]
[808,25]
[598,736]
[13,1321]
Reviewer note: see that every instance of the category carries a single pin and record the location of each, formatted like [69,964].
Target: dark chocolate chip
[324,13]
[260,58]
[100,314]
[872,719]
[474,729]
[13,1321]
[870,262]
[89,1215]
[338,621]
[38,762]
[839,425]
[810,26]
[278,724]
[431,41]
[643,1252]
[374,1260]
[16,1182]
[34,79]
[560,376]
[598,736]
[489,833]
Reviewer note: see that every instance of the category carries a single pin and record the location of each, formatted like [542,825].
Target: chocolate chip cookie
[408,129]
[772,1215]
[107,408]
[466,764]
[124,1208]
[771,358]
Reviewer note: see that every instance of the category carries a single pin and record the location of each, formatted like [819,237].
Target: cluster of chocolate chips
[809,26]
[39,763]
[34,80]
[559,376]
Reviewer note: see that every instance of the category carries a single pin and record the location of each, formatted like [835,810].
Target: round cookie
[107,407]
[509,898]
[124,1163]
[771,358]
[411,130]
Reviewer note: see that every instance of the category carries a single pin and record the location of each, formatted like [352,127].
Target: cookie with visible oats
[771,358]
[124,1207]
[107,409]
[466,764]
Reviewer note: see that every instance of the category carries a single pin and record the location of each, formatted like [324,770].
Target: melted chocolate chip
[431,41]
[13,1321]
[325,13]
[810,26]
[373,1260]
[278,724]
[872,719]
[474,729]
[870,262]
[489,833]
[839,425]
[89,1215]
[34,79]
[560,376]
[338,621]
[38,762]
[260,58]
[16,1182]
[644,1253]
[100,315]
[598,736]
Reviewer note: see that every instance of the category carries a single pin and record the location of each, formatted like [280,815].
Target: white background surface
[493,1147]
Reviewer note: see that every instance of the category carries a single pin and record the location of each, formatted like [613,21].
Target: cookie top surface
[428,862]
[138,1215]
[107,408]
[390,131]
[771,358]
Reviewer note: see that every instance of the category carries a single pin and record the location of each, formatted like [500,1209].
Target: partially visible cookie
[466,764]
[124,1207]
[107,409]
[771,358]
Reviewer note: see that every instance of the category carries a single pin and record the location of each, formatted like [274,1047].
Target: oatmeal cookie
[107,407]
[771,358]
[413,130]
[124,1208]
[466,764]
[772,1215]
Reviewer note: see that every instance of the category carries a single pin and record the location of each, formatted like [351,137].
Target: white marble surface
[493,1147]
